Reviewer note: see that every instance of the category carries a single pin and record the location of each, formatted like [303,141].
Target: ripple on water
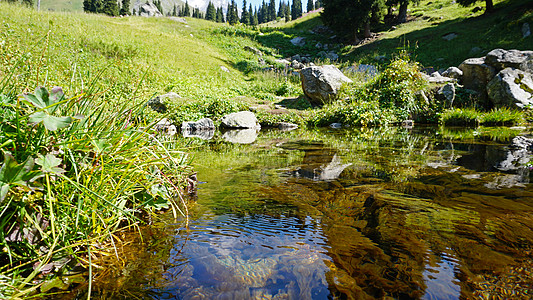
[253,257]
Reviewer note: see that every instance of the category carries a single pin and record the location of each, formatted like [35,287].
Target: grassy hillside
[422,36]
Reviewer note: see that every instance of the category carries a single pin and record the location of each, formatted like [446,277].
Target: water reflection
[361,214]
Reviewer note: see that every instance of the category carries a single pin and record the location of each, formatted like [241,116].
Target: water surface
[383,213]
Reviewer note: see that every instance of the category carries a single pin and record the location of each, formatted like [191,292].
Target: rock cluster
[504,77]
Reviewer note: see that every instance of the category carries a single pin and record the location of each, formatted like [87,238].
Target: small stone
[224,69]
[526,31]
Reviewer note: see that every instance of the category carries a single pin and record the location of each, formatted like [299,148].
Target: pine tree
[310,5]
[245,17]
[233,15]
[287,13]
[255,20]
[263,13]
[281,9]
[296,9]
[175,11]
[272,10]
[251,15]
[347,18]
[211,13]
[187,10]
[125,9]
[110,8]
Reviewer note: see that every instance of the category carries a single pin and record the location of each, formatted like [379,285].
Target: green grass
[473,117]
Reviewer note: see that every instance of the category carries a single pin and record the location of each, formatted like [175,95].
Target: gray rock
[450,36]
[511,88]
[224,69]
[203,129]
[408,124]
[283,62]
[202,124]
[369,71]
[149,10]
[180,20]
[298,41]
[335,125]
[286,126]
[253,50]
[242,119]
[447,93]
[435,77]
[332,56]
[516,59]
[453,72]
[522,142]
[297,65]
[240,136]
[165,126]
[319,45]
[476,74]
[526,31]
[321,84]
[332,170]
[159,103]
[296,57]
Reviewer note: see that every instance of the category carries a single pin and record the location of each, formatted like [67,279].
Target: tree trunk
[38,5]
[356,39]
[367,30]
[489,6]
[389,10]
[402,14]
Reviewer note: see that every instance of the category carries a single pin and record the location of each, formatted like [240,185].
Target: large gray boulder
[149,10]
[298,41]
[511,88]
[242,119]
[453,72]
[476,74]
[321,84]
[436,77]
[516,59]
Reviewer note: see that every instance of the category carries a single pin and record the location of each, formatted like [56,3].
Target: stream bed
[389,213]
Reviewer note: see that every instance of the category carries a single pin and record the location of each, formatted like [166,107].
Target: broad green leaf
[12,173]
[42,99]
[51,123]
[49,163]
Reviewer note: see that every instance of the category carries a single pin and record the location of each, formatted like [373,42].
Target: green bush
[502,116]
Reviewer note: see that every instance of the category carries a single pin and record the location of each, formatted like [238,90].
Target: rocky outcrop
[501,59]
[511,88]
[476,74]
[504,77]
[436,77]
[298,41]
[447,93]
[149,10]
[453,72]
[242,119]
[321,84]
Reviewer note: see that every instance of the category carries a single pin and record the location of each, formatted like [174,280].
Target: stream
[385,213]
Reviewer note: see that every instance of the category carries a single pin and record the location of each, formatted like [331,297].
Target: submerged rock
[165,126]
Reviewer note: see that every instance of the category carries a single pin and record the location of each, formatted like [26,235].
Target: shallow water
[353,214]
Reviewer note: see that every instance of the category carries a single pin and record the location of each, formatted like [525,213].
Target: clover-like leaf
[49,163]
[13,173]
[51,123]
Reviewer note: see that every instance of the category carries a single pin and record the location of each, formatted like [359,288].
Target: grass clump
[473,117]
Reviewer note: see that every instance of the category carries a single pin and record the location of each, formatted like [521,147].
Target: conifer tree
[211,13]
[175,11]
[245,17]
[232,15]
[287,13]
[310,5]
[272,10]
[251,15]
[255,20]
[296,9]
[125,9]
[110,8]
[281,10]
[187,10]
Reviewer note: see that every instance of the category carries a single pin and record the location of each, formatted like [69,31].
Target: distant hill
[168,5]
